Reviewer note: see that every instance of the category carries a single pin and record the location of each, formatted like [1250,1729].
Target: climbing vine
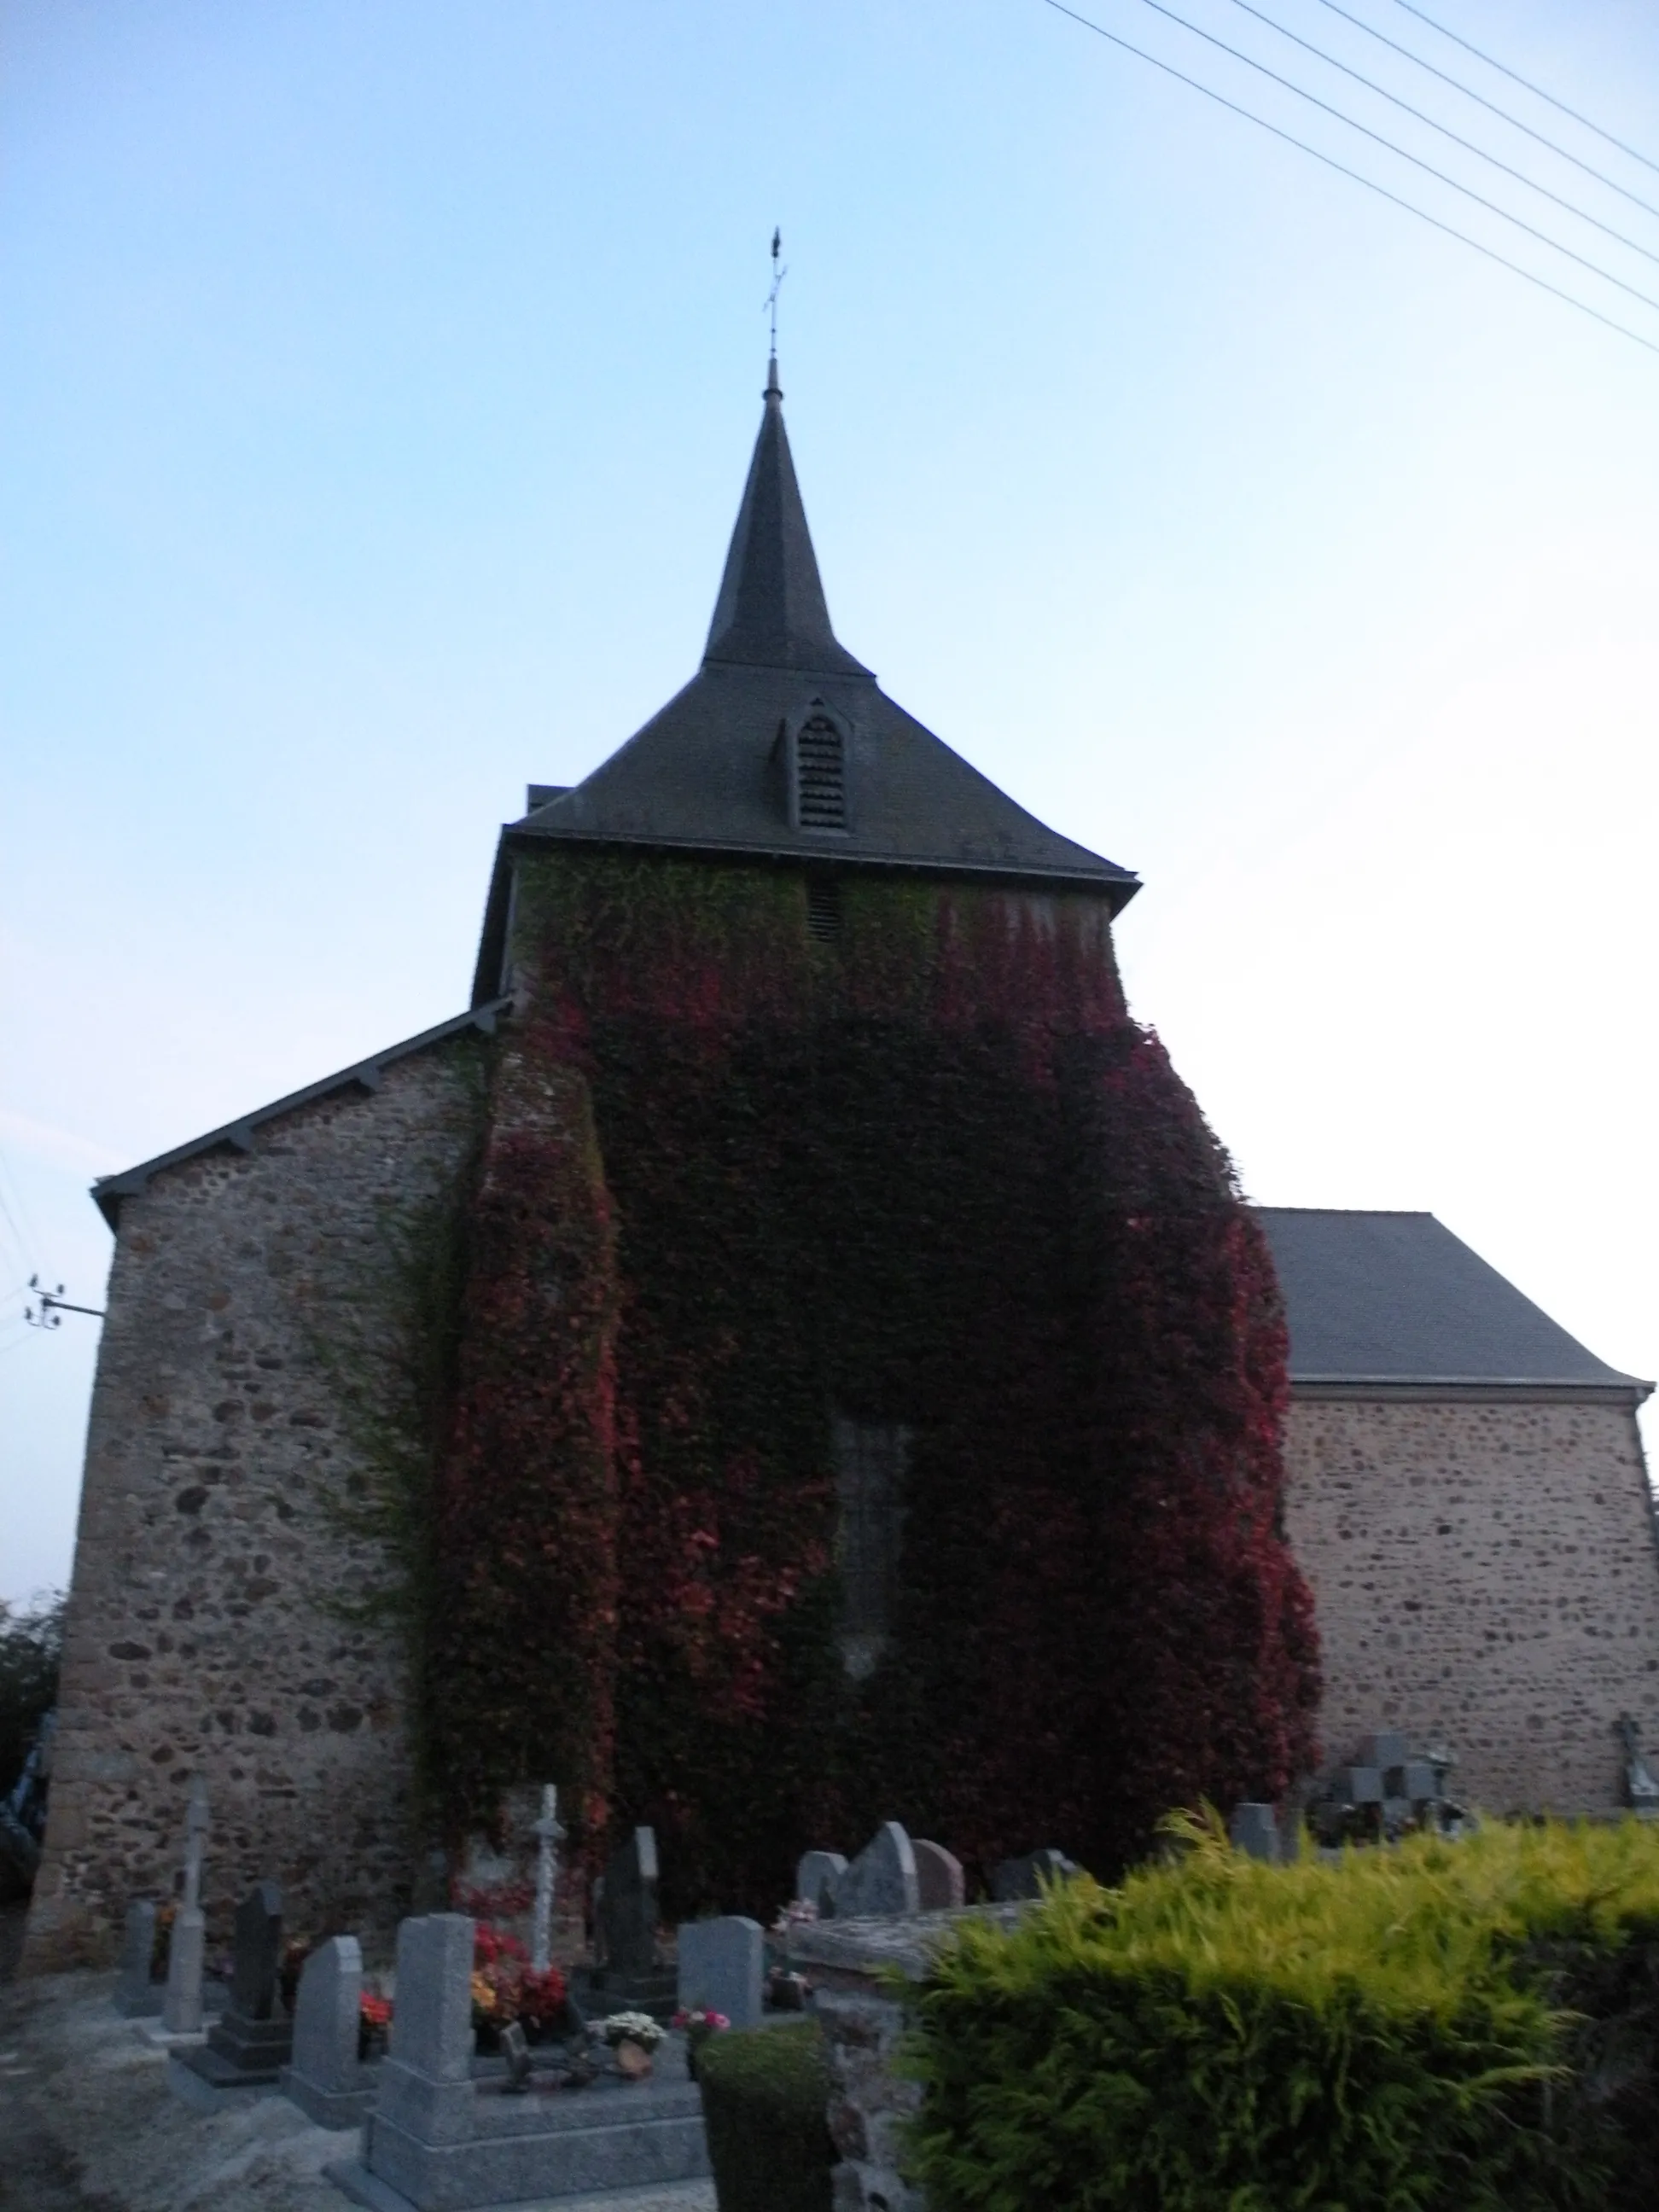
[928,1175]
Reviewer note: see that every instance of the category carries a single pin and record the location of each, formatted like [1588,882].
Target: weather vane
[779,272]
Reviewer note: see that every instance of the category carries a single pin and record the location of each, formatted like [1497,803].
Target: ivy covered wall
[741,1182]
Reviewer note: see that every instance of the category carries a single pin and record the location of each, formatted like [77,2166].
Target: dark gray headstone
[721,1963]
[1360,1785]
[257,1953]
[816,1875]
[136,1994]
[629,1907]
[1016,1879]
[939,1877]
[881,1879]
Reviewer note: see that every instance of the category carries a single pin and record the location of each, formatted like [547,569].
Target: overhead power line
[1290,84]
[1445,130]
[1537,90]
[1492,106]
[1358,176]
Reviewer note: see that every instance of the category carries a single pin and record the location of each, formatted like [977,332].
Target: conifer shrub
[764,2093]
[1468,2024]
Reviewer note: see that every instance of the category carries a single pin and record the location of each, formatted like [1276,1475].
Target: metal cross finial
[779,272]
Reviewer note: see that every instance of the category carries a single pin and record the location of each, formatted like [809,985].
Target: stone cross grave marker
[548,1836]
[939,1877]
[816,1877]
[881,1879]
[630,1906]
[181,2007]
[721,1963]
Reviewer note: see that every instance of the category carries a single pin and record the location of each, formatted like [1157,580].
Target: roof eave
[1489,1389]
[1120,888]
[238,1135]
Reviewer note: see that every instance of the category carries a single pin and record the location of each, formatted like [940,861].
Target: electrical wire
[1445,130]
[1537,90]
[1417,161]
[1482,101]
[1489,252]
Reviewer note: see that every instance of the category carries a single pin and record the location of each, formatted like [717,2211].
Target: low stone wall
[846,1961]
[209,1622]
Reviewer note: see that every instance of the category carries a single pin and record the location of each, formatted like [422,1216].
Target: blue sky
[376,386]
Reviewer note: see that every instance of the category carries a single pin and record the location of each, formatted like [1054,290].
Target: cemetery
[1374,1998]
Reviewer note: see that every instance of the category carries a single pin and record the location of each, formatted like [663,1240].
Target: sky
[377,383]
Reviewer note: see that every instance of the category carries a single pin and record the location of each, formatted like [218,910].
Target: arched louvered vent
[819,781]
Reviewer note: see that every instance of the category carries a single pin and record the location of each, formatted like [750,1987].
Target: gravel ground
[87,2124]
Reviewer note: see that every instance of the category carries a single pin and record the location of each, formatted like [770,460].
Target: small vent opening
[820,775]
[822,908]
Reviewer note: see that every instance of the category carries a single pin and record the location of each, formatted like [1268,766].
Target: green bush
[1467,2024]
[764,2091]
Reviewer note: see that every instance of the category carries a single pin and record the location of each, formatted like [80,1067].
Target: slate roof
[705,774]
[1395,1300]
[237,1136]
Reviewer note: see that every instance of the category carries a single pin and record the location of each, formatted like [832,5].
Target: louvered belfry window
[818,796]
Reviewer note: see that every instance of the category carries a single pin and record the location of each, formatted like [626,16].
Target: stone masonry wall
[1486,1576]
[203,1628]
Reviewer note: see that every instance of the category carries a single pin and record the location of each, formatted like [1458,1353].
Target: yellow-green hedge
[1465,2025]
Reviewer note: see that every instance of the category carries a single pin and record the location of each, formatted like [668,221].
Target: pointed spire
[771,612]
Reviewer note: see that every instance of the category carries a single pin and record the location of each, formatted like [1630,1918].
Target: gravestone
[248,2048]
[443,2134]
[882,1879]
[816,1877]
[721,1963]
[325,2078]
[939,1877]
[1017,1879]
[1254,1830]
[181,2007]
[136,1997]
[631,1977]
[630,1906]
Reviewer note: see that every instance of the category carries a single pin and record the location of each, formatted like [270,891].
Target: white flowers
[630,2028]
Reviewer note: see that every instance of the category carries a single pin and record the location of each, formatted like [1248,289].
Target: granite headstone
[325,2078]
[721,1964]
[881,1879]
[939,1877]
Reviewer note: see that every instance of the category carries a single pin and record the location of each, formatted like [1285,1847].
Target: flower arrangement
[507,1990]
[374,2023]
[620,2028]
[796,1914]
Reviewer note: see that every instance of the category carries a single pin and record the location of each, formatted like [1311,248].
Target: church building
[792,1353]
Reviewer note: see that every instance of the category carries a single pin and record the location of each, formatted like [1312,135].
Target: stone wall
[1486,1576]
[255,1309]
